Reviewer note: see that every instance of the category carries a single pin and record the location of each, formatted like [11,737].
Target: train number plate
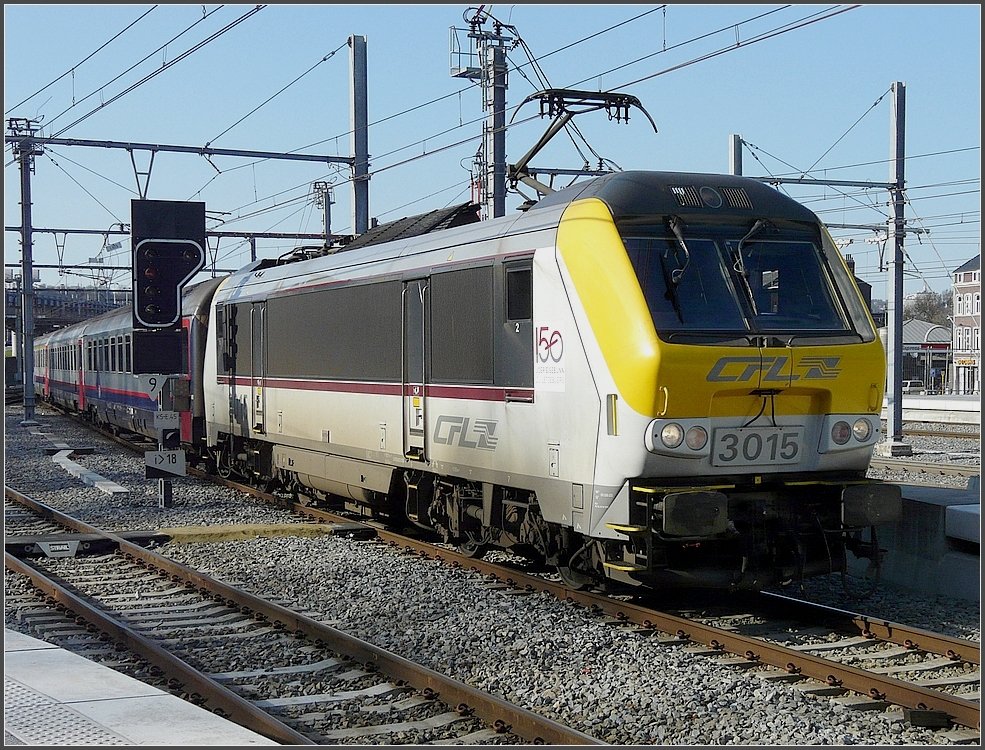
[757,446]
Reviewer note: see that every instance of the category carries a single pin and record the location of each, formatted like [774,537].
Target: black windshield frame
[781,287]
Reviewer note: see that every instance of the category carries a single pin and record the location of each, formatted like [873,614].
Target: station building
[966,344]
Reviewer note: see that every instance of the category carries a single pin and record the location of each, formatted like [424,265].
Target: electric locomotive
[655,378]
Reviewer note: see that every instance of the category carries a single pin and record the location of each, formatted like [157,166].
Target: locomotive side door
[412,369]
[257,366]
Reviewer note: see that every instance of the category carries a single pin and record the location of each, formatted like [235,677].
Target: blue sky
[806,86]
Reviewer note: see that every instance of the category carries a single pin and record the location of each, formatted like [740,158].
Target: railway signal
[161,268]
[168,241]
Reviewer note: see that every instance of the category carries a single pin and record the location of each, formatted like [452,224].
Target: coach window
[119,355]
[112,354]
[126,353]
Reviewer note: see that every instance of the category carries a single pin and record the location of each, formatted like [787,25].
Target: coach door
[258,366]
[414,415]
[81,373]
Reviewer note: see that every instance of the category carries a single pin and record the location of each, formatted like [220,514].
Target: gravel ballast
[620,687]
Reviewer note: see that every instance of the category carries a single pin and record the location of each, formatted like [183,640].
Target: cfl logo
[550,345]
[461,432]
[743,369]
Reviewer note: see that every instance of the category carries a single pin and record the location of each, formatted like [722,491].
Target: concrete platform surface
[935,546]
[964,522]
[54,697]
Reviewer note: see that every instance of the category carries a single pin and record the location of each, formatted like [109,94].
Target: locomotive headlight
[696,438]
[862,429]
[672,435]
[840,432]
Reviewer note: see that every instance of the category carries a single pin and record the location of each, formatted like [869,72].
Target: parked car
[914,386]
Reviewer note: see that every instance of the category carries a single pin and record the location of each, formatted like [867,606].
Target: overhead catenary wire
[168,65]
[792,26]
[101,176]
[432,152]
[813,18]
[71,71]
[782,29]
[850,129]
[327,57]
[443,97]
[82,187]
[843,194]
[144,59]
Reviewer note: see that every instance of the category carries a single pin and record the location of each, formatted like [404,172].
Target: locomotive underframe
[749,537]
[723,536]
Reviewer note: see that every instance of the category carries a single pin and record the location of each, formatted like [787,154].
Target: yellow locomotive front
[737,337]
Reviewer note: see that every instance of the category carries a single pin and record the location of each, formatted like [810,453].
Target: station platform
[935,546]
[54,697]
[944,408]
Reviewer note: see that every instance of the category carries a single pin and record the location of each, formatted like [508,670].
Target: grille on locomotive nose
[687,195]
[736,197]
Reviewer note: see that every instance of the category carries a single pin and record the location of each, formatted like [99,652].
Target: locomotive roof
[413,226]
[627,194]
[638,193]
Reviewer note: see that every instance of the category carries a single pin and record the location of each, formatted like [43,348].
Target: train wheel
[472,547]
[574,579]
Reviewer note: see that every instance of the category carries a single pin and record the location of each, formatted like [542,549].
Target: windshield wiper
[740,266]
[676,226]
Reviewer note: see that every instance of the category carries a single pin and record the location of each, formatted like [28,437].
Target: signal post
[168,241]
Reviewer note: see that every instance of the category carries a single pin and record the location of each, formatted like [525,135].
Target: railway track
[863,662]
[929,468]
[822,664]
[950,434]
[277,671]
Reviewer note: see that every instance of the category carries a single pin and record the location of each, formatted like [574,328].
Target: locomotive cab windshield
[742,282]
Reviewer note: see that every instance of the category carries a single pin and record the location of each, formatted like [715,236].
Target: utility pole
[735,154]
[894,312]
[359,122]
[25,148]
[323,200]
[490,71]
[894,444]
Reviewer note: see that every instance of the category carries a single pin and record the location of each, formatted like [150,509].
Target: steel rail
[876,686]
[963,711]
[233,706]
[497,712]
[917,639]
[927,467]
[949,435]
